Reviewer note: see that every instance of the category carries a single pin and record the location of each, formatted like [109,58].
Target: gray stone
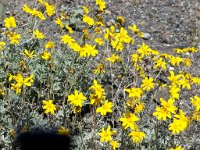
[147,36]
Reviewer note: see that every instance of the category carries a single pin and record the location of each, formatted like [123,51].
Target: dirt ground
[168,23]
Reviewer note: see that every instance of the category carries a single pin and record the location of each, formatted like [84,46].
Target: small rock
[107,12]
[166,38]
[109,23]
[147,36]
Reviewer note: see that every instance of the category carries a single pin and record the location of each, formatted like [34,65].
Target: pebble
[147,36]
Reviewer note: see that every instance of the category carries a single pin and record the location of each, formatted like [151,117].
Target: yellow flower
[135,93]
[48,106]
[86,34]
[124,37]
[174,91]
[136,30]
[99,41]
[144,50]
[101,4]
[174,79]
[63,131]
[195,80]
[196,102]
[139,108]
[38,14]
[49,44]
[95,100]
[114,144]
[106,135]
[12,132]
[175,61]
[66,39]
[191,50]
[162,113]
[147,83]
[128,120]
[14,38]
[137,136]
[196,116]
[159,63]
[120,19]
[1,92]
[176,126]
[169,105]
[41,2]
[50,9]
[89,50]
[10,22]
[97,89]
[180,123]
[105,108]
[20,81]
[185,83]
[76,99]
[69,29]
[33,12]
[38,34]
[27,9]
[113,58]
[136,58]
[27,54]
[45,55]
[88,20]
[187,62]
[99,69]
[117,44]
[76,109]
[177,148]
[85,9]
[59,22]
[2,44]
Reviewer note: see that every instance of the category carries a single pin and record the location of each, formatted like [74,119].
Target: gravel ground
[170,23]
[167,23]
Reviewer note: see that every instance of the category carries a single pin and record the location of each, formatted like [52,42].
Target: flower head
[76,99]
[137,136]
[14,38]
[63,131]
[2,44]
[88,20]
[28,54]
[49,44]
[147,83]
[48,106]
[128,120]
[45,55]
[106,135]
[10,22]
[38,34]
[105,108]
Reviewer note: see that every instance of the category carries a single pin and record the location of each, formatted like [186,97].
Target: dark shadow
[41,140]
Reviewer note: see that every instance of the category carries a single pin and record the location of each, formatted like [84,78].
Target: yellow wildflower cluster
[13,36]
[20,81]
[106,136]
[50,10]
[33,12]
[135,89]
